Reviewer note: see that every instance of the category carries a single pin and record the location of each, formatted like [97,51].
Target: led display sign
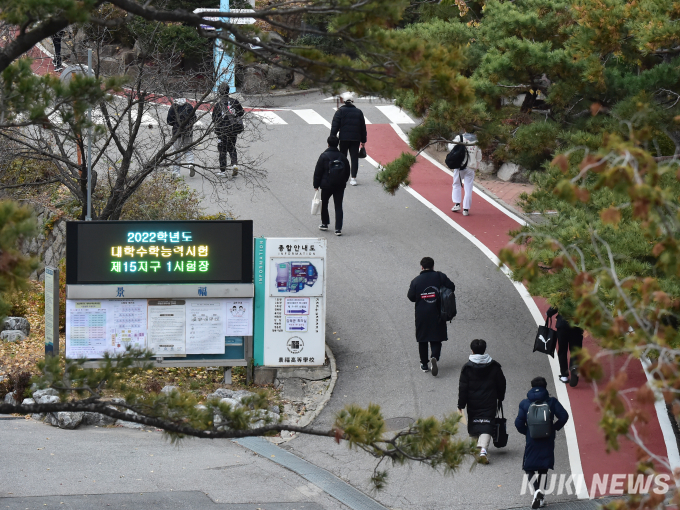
[101,252]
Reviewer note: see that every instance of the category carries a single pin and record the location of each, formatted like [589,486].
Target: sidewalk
[490,225]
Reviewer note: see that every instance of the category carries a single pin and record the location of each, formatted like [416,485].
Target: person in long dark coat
[424,292]
[539,454]
[349,125]
[569,341]
[481,388]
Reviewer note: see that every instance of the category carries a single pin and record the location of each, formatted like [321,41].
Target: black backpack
[229,123]
[540,420]
[336,170]
[458,157]
[447,303]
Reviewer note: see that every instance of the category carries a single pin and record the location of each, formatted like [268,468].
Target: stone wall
[50,243]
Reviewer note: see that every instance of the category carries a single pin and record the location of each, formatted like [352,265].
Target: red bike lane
[491,226]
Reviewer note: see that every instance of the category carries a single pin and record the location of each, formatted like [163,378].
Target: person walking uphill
[569,341]
[227,117]
[182,117]
[536,420]
[424,292]
[481,389]
[331,175]
[350,123]
[464,174]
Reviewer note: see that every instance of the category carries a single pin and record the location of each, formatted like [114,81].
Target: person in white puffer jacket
[465,176]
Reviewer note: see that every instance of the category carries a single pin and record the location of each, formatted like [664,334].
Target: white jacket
[474,157]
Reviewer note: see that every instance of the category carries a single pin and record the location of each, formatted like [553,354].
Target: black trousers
[435,347]
[56,41]
[337,194]
[224,146]
[568,340]
[541,478]
[353,148]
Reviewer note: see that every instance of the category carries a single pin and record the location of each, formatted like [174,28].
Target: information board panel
[171,328]
[159,252]
[295,306]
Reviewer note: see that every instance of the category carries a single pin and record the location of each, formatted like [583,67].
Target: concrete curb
[310,417]
[504,204]
[285,93]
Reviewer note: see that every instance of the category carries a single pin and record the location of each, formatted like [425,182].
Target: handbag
[500,433]
[316,203]
[362,152]
[546,339]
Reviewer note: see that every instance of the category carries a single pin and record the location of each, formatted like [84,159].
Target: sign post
[290,307]
[51,311]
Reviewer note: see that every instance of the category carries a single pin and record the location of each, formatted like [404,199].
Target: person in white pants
[466,176]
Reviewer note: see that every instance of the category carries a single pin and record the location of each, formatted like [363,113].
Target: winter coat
[179,113]
[540,453]
[565,331]
[222,129]
[349,120]
[424,292]
[480,388]
[321,176]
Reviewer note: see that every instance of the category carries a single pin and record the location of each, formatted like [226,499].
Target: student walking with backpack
[569,342]
[481,389]
[182,117]
[227,117]
[331,175]
[425,291]
[349,122]
[540,417]
[463,160]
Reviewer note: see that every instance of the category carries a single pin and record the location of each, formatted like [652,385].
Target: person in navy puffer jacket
[539,454]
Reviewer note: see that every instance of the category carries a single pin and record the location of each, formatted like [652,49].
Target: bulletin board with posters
[182,289]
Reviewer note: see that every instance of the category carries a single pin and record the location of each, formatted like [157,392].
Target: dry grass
[17,357]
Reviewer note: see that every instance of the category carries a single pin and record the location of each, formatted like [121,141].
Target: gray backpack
[539,420]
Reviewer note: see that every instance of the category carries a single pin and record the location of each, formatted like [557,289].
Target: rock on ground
[169,389]
[47,399]
[97,419]
[222,393]
[9,399]
[507,171]
[13,336]
[65,420]
[37,394]
[17,323]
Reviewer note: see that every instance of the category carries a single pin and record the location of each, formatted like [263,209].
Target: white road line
[562,395]
[481,194]
[395,114]
[365,119]
[664,422]
[312,117]
[269,117]
[661,413]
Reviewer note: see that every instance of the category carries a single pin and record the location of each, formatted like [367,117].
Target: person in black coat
[569,341]
[424,292]
[56,42]
[539,454]
[350,123]
[481,389]
[331,185]
[182,117]
[227,116]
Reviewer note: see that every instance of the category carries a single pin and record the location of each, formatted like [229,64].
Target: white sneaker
[466,212]
[221,174]
[456,207]
[538,499]
[564,379]
[353,181]
[483,456]
[175,175]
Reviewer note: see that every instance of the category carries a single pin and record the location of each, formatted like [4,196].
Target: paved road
[370,321]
